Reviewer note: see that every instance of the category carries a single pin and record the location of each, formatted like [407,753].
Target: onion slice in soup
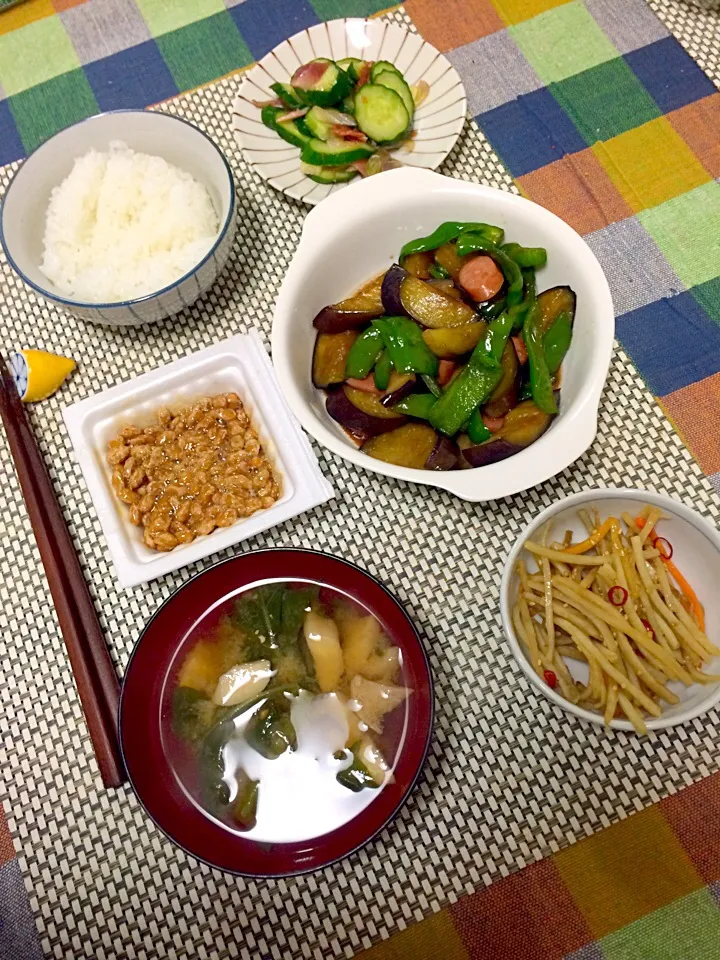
[242,682]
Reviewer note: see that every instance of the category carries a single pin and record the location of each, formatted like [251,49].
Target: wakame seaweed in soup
[287,715]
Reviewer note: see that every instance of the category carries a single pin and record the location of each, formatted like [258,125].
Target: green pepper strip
[521,310]
[432,384]
[526,257]
[437,272]
[494,234]
[540,380]
[447,232]
[416,405]
[476,429]
[488,311]
[495,340]
[476,381]
[473,385]
[363,354]
[556,342]
[478,243]
[383,369]
[404,342]
[496,337]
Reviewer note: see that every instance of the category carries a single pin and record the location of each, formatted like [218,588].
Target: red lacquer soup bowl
[162,768]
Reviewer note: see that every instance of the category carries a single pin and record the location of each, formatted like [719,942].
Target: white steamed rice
[123,225]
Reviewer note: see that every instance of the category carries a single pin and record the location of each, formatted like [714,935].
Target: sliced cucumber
[287,129]
[333,86]
[319,128]
[394,81]
[335,154]
[348,104]
[381,113]
[304,128]
[328,174]
[286,93]
[383,66]
[351,66]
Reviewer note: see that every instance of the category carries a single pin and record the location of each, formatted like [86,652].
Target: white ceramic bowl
[696,550]
[22,218]
[437,124]
[357,233]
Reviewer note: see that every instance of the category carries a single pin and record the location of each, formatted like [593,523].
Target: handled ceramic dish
[355,234]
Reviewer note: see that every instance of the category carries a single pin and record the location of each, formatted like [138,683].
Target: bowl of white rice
[125,218]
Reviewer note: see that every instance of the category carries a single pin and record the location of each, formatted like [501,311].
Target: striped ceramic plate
[438,120]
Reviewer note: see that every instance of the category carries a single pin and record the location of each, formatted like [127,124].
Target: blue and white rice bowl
[22,217]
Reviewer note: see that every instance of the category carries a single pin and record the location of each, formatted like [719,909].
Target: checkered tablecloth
[605,111]
[647,888]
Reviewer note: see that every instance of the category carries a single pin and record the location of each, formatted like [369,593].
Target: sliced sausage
[366,386]
[493,423]
[446,369]
[481,277]
[520,349]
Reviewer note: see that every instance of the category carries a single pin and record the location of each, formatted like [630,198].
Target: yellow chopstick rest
[38,374]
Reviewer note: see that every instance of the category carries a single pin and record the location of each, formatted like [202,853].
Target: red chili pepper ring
[663,547]
[617,595]
[550,679]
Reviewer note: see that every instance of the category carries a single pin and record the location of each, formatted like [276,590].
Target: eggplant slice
[330,356]
[360,424]
[405,295]
[523,425]
[356,311]
[553,302]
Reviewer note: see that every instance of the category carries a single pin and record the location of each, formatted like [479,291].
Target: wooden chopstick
[92,667]
[68,565]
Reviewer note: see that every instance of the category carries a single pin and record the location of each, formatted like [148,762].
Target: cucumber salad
[344,116]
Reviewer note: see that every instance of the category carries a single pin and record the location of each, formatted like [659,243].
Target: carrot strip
[697,608]
[594,539]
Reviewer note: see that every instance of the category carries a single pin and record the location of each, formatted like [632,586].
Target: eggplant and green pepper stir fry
[451,358]
[282,648]
[344,116]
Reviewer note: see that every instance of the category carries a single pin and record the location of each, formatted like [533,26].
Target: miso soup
[286,711]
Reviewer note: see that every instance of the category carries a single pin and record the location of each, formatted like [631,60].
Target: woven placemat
[509,778]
